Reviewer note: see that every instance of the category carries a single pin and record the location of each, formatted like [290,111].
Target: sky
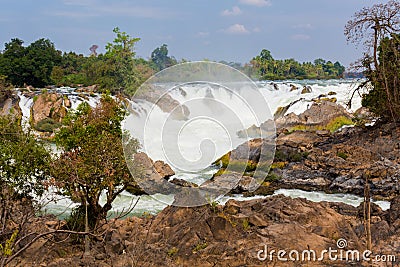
[230,30]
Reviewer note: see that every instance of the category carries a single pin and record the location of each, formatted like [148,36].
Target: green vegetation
[272,177]
[332,126]
[24,170]
[200,246]
[118,70]
[245,224]
[172,252]
[24,161]
[47,125]
[7,248]
[378,26]
[278,165]
[342,155]
[160,59]
[92,161]
[265,67]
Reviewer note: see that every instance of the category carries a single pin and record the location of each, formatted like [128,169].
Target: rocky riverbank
[229,235]
[315,158]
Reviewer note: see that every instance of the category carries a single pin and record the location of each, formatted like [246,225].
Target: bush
[47,125]
[342,155]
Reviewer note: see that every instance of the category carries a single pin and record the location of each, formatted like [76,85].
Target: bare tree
[370,26]
[93,49]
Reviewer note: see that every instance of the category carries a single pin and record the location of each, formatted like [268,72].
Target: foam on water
[199,131]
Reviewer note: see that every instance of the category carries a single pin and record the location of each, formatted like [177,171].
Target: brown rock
[48,105]
[163,169]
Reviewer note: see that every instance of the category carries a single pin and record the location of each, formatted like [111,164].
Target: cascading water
[278,95]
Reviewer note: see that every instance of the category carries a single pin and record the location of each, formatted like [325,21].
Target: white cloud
[300,37]
[237,29]
[234,12]
[303,26]
[258,3]
[202,34]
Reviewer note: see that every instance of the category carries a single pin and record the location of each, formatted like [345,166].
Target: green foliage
[269,68]
[200,246]
[278,165]
[342,155]
[272,177]
[172,252]
[245,224]
[384,99]
[31,65]
[92,161]
[47,125]
[160,58]
[213,204]
[7,248]
[24,161]
[76,220]
[332,126]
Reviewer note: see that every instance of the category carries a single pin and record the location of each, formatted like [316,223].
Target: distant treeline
[118,69]
[265,67]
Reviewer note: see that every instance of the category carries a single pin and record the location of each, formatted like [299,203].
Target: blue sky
[231,30]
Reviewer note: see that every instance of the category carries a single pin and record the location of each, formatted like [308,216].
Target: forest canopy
[119,69]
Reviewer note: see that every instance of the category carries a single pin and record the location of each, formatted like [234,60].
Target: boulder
[163,169]
[306,89]
[319,114]
[165,102]
[49,107]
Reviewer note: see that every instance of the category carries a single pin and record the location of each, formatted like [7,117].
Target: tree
[92,162]
[29,65]
[371,26]
[24,168]
[12,62]
[160,59]
[121,53]
[24,161]
[384,97]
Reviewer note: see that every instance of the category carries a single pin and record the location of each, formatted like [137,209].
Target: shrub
[342,155]
[47,125]
[272,177]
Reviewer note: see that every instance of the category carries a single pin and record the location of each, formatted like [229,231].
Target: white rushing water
[276,96]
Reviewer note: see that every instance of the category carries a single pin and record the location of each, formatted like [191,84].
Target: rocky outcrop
[9,103]
[306,89]
[229,235]
[47,111]
[342,162]
[152,176]
[319,114]
[165,102]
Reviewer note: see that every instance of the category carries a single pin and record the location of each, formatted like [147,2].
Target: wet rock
[293,87]
[306,89]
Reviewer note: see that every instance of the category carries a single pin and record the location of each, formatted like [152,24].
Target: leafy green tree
[29,65]
[24,161]
[160,58]
[92,162]
[121,53]
[41,56]
[13,62]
